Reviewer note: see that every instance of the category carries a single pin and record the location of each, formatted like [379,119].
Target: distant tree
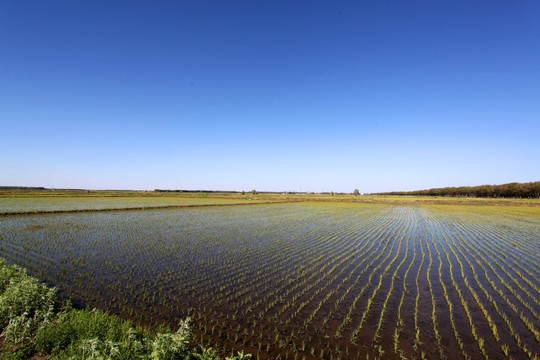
[254,192]
[356,192]
[243,192]
[514,190]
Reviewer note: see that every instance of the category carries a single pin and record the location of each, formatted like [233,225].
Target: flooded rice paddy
[48,204]
[304,280]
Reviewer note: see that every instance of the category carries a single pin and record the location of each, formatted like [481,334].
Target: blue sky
[273,95]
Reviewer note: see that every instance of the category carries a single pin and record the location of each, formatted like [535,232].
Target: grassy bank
[35,324]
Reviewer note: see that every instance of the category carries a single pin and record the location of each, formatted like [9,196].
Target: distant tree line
[510,190]
[21,188]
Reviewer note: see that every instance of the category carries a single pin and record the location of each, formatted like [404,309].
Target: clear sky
[269,95]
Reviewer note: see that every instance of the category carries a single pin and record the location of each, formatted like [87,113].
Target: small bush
[25,306]
[32,321]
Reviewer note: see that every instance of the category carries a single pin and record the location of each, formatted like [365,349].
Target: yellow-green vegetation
[304,279]
[34,322]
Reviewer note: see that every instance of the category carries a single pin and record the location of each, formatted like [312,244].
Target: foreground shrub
[90,332]
[33,321]
[25,307]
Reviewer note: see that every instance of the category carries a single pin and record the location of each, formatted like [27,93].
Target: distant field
[68,203]
[69,200]
[304,280]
